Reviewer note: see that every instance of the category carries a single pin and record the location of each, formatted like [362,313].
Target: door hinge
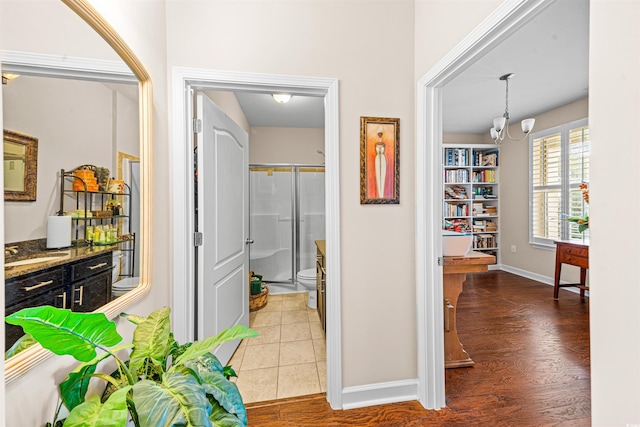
[197,238]
[440,261]
[197,125]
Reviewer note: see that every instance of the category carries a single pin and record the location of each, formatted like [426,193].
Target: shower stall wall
[287,216]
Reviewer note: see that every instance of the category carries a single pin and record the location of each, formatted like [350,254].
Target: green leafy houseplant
[582,221]
[162,384]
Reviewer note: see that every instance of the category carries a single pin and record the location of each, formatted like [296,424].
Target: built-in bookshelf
[471,193]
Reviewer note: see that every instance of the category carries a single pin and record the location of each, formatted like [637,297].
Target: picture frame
[379,160]
[21,166]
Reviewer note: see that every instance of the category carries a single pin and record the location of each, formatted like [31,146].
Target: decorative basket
[256,302]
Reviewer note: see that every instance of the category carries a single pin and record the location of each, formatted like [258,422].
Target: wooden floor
[532,366]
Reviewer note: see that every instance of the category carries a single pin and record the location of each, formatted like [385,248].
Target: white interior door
[223,220]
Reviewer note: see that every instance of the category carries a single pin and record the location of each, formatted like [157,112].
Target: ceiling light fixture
[500,128]
[282,98]
[8,76]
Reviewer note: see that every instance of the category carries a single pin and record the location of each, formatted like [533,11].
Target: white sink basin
[455,244]
[34,260]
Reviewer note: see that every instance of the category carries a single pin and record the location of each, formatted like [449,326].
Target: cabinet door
[320,284]
[92,293]
[54,296]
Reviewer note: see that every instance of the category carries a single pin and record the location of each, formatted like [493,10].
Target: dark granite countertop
[57,257]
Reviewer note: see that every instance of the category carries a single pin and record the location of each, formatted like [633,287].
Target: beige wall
[379,304]
[76,123]
[348,41]
[228,102]
[286,145]
[142,25]
[514,197]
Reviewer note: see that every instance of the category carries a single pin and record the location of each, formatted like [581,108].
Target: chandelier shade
[500,129]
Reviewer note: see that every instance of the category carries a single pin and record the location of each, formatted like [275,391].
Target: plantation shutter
[547,187]
[558,164]
[579,151]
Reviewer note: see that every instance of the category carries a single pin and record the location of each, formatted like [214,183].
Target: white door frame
[506,19]
[183,79]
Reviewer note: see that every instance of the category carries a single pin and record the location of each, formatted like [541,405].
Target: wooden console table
[455,271]
[571,253]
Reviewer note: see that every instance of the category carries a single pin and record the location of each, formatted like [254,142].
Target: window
[558,164]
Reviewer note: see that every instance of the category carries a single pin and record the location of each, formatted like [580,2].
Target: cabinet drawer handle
[81,289]
[64,299]
[93,267]
[39,285]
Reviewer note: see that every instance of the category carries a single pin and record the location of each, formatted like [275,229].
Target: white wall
[614,112]
[286,145]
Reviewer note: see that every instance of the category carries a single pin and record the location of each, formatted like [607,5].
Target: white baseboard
[537,277]
[379,394]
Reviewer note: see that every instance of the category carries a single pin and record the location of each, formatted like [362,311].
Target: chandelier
[500,128]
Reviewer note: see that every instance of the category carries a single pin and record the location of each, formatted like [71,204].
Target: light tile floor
[288,358]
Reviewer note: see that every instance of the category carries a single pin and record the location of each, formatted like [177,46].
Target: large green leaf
[151,339]
[208,362]
[133,318]
[178,400]
[208,344]
[23,343]
[93,413]
[226,393]
[74,388]
[221,418]
[65,332]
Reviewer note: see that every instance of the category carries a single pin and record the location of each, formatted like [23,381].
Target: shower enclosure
[287,216]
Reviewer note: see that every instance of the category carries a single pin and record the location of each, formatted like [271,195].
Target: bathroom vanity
[78,279]
[321,281]
[455,269]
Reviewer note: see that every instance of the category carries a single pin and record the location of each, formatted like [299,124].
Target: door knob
[248,241]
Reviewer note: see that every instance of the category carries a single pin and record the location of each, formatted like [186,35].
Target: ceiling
[548,56]
[261,109]
[550,59]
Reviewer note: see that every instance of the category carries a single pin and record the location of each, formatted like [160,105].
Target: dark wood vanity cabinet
[81,286]
[45,287]
[90,283]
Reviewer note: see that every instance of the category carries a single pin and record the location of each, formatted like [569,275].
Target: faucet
[11,250]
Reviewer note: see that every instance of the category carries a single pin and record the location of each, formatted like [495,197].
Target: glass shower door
[311,215]
[271,222]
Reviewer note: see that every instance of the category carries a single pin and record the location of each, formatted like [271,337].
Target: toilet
[124,285]
[115,272]
[307,278]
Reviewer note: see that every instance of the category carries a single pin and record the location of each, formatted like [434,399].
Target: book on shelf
[458,225]
[455,192]
[484,241]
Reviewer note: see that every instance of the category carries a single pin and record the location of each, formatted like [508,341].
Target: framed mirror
[20,166]
[71,59]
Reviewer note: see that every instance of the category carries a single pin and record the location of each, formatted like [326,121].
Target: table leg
[455,355]
[556,282]
[583,281]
